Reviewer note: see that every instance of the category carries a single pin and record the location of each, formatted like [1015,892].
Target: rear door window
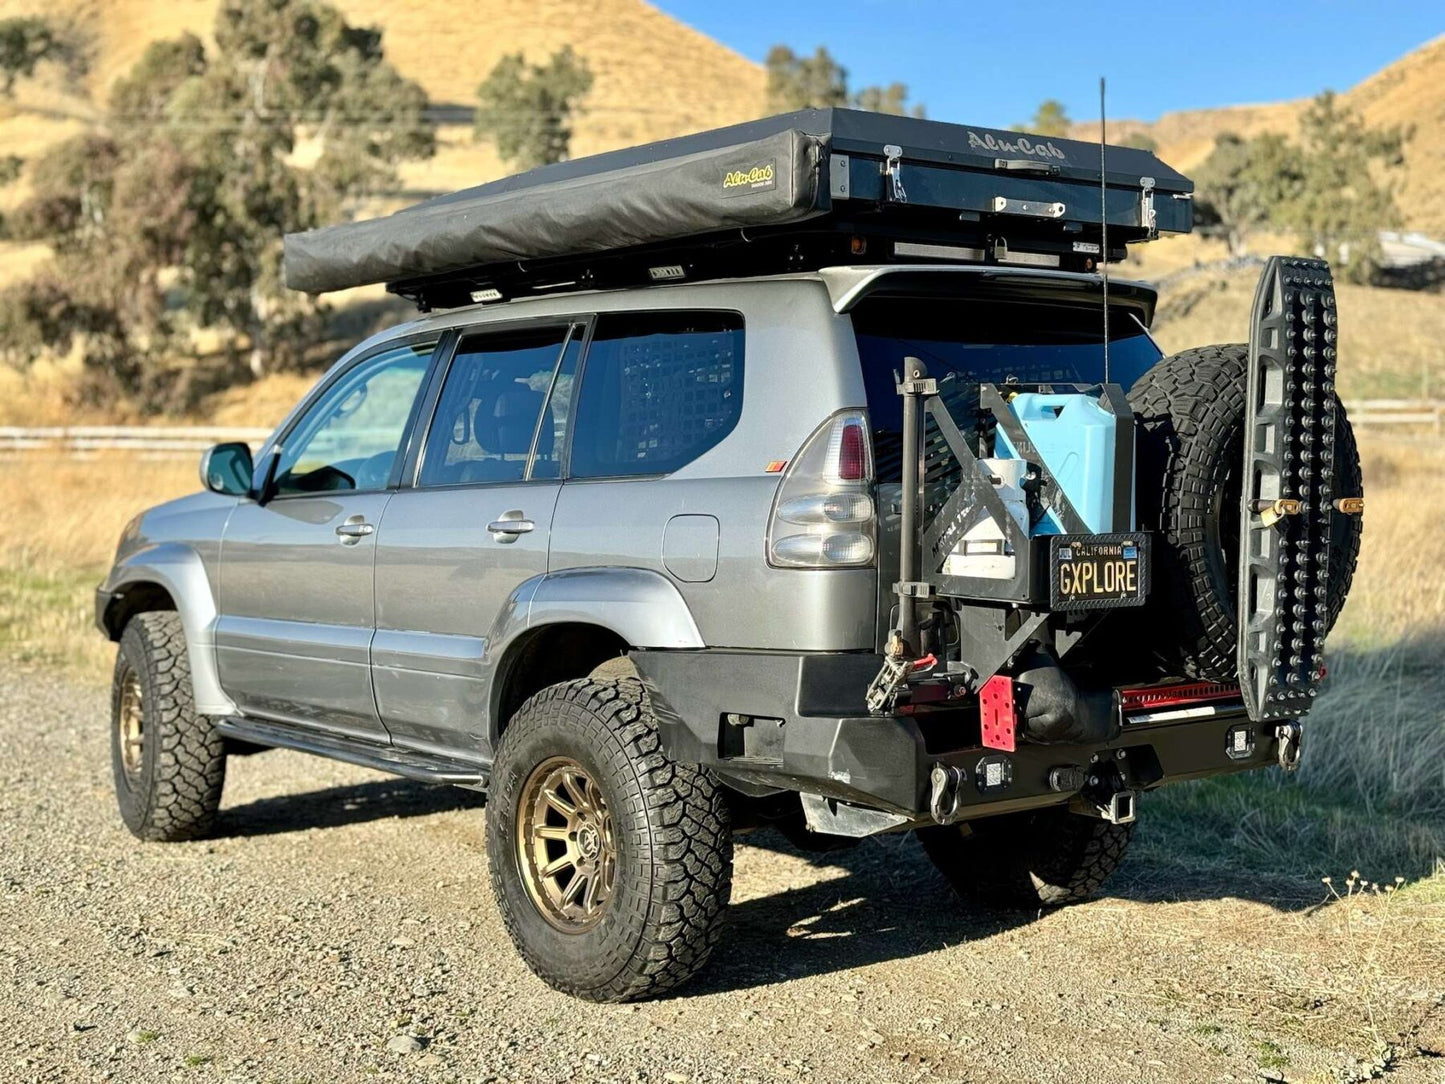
[490,407]
[658,390]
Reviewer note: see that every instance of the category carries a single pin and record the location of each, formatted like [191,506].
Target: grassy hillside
[1410,92]
[1389,339]
[654,77]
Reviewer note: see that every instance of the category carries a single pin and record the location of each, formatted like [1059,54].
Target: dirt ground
[341,917]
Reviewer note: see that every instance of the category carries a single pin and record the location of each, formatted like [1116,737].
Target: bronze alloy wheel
[565,844]
[611,863]
[130,722]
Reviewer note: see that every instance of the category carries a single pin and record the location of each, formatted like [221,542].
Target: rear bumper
[768,722]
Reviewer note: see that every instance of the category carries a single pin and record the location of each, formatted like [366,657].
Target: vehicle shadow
[883,900]
[334,807]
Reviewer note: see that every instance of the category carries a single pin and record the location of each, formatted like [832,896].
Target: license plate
[1098,571]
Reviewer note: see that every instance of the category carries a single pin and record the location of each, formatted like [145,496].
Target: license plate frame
[1117,573]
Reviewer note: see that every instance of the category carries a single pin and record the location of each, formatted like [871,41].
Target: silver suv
[628,562]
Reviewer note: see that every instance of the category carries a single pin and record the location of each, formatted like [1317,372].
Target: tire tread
[182,793]
[690,841]
[1028,860]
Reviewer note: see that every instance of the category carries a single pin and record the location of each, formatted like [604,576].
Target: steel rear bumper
[768,722]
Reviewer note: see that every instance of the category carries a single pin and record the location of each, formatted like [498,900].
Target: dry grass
[654,77]
[1389,339]
[1371,790]
[62,519]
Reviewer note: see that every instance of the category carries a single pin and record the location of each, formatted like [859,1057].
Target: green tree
[1049,119]
[820,82]
[804,82]
[527,110]
[1331,188]
[1347,197]
[27,42]
[141,96]
[117,219]
[1140,140]
[170,219]
[1245,185]
[890,99]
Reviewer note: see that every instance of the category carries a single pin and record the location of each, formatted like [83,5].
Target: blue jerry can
[1076,438]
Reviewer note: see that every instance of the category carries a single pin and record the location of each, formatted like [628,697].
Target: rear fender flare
[641,607]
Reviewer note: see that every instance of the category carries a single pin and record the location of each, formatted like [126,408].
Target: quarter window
[349,438]
[658,390]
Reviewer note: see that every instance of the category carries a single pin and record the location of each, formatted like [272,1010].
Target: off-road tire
[176,790]
[1043,858]
[674,851]
[1190,412]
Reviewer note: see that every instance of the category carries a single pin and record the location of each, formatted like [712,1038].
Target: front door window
[350,437]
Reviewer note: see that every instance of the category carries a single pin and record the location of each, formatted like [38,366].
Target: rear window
[658,390]
[965,343]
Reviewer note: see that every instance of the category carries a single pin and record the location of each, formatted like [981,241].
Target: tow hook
[945,783]
[1291,742]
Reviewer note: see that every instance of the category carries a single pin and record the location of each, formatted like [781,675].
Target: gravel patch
[339,927]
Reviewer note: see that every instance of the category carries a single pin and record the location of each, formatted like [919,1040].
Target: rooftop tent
[798,190]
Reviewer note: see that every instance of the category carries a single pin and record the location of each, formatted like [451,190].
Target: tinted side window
[487,415]
[552,434]
[658,390]
[348,439]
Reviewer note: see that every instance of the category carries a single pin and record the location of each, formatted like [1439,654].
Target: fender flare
[641,607]
[179,569]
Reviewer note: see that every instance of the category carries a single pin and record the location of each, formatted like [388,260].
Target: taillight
[824,515]
[853,452]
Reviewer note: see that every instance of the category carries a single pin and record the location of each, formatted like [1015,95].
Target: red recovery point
[996,713]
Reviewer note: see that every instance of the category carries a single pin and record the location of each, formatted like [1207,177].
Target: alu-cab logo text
[750,180]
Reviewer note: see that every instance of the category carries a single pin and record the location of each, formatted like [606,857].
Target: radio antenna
[1104,224]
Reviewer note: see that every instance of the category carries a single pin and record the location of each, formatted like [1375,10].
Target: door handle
[353,530]
[510,526]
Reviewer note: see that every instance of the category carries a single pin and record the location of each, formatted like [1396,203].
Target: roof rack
[795,192]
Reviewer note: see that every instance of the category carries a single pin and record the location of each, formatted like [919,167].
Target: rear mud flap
[1288,490]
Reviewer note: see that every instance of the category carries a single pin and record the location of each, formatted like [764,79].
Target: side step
[407,763]
[1288,491]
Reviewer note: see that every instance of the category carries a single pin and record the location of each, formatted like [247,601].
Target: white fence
[1423,416]
[151,440]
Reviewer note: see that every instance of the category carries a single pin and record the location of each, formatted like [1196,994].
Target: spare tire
[1189,454]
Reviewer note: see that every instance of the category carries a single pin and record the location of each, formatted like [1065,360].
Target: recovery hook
[945,784]
[1291,744]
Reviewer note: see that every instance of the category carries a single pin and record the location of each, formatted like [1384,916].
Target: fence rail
[157,441]
[1428,414]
